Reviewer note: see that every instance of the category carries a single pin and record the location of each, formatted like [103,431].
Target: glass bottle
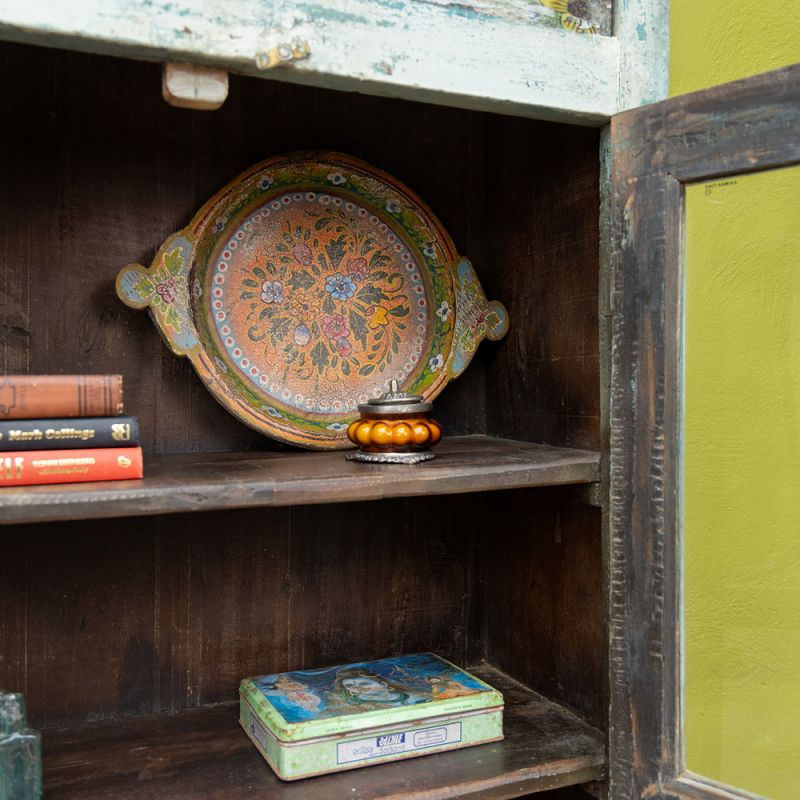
[20,752]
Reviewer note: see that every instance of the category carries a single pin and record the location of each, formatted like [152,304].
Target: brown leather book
[47,396]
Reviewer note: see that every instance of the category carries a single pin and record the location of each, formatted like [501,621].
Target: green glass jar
[20,752]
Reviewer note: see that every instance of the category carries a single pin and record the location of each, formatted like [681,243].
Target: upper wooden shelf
[204,755]
[511,58]
[207,481]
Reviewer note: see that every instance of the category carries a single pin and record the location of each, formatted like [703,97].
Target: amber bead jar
[396,428]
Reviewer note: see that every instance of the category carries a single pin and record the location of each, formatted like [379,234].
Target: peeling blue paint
[323,14]
[641,32]
[466,13]
[385,23]
[174,8]
[537,17]
[395,5]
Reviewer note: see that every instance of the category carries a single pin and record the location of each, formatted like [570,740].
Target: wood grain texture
[711,133]
[641,28]
[543,597]
[378,579]
[393,49]
[542,259]
[204,754]
[155,615]
[202,482]
[167,613]
[740,127]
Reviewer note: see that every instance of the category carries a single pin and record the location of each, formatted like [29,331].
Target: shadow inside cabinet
[129,635]
[121,620]
[98,171]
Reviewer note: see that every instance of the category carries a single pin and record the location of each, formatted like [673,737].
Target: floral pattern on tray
[331,297]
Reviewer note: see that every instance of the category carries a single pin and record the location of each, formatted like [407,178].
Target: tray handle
[163,288]
[476,317]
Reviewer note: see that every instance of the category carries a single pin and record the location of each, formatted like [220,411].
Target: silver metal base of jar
[391,458]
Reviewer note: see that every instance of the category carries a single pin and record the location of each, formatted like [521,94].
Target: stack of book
[65,429]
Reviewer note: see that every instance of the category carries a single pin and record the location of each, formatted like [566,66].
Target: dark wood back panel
[102,619]
[98,170]
[107,618]
[542,201]
[542,571]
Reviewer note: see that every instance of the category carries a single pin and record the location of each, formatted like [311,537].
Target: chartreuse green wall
[742,482]
[742,426]
[716,41]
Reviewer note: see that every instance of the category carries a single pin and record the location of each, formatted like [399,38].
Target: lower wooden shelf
[207,481]
[204,755]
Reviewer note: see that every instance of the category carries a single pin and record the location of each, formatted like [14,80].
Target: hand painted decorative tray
[306,285]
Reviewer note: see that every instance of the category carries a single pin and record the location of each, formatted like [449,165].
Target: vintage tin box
[316,721]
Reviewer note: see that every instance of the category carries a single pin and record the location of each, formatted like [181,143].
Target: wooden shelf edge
[202,754]
[214,481]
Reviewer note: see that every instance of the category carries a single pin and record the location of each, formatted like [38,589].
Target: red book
[47,396]
[31,467]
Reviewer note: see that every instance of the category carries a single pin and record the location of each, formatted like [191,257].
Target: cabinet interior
[103,619]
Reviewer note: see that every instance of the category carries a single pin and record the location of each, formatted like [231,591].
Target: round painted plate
[306,285]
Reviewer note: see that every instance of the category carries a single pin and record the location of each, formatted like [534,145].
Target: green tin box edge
[310,758]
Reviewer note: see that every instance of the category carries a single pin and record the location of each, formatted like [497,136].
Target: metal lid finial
[396,401]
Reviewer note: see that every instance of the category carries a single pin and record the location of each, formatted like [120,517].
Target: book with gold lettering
[75,432]
[30,467]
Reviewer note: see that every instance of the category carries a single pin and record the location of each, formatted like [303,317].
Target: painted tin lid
[307,704]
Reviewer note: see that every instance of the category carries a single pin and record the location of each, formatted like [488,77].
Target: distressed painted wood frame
[442,51]
[741,127]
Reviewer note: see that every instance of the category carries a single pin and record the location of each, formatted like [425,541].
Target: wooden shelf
[207,481]
[493,62]
[204,755]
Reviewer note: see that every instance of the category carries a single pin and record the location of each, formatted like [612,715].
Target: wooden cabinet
[129,613]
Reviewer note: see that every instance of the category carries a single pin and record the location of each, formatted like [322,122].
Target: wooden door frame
[746,126]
